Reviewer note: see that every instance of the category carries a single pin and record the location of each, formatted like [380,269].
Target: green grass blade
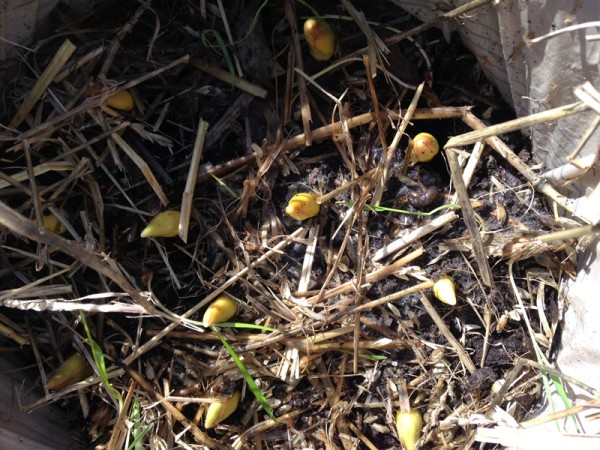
[227,188]
[368,355]
[249,380]
[98,356]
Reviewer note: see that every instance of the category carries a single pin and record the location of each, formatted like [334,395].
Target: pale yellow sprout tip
[164,224]
[425,147]
[71,371]
[121,100]
[303,206]
[51,223]
[219,411]
[444,290]
[409,426]
[221,310]
[320,38]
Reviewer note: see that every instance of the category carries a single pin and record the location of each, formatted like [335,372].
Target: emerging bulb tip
[409,425]
[122,101]
[164,224]
[303,206]
[425,147]
[219,411]
[444,290]
[220,310]
[320,38]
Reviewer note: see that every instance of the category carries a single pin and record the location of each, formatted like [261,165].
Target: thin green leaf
[249,380]
[221,45]
[98,356]
[227,188]
[370,356]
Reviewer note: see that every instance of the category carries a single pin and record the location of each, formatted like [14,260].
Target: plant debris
[226,120]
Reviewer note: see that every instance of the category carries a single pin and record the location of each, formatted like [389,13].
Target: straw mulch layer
[227,134]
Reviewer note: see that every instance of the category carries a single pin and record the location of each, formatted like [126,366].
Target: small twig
[513,159]
[309,256]
[414,235]
[226,77]
[380,301]
[469,218]
[290,14]
[119,36]
[22,226]
[371,277]
[577,27]
[58,61]
[460,351]
[144,168]
[188,194]
[516,124]
[119,431]
[405,122]
[328,131]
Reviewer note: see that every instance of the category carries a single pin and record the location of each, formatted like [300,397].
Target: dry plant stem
[144,168]
[16,179]
[405,122]
[226,77]
[223,14]
[571,233]
[178,415]
[188,194]
[381,130]
[460,351]
[502,149]
[123,31]
[88,143]
[511,437]
[469,218]
[94,102]
[266,425]
[328,131]
[9,333]
[372,277]
[58,61]
[415,235]
[516,124]
[35,198]
[582,141]
[290,14]
[65,305]
[561,414]
[309,256]
[223,125]
[365,440]
[119,432]
[588,94]
[471,166]
[289,88]
[21,226]
[326,197]
[81,61]
[375,46]
[380,301]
